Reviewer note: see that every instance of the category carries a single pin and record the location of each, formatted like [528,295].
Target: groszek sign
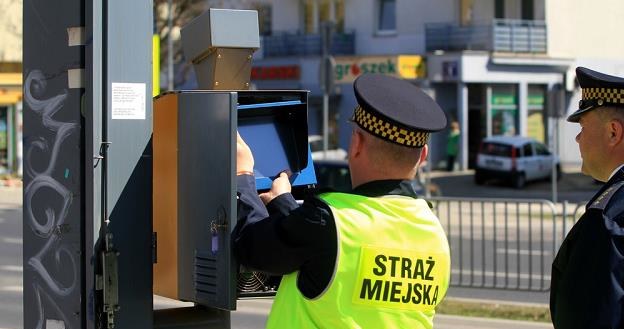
[348,68]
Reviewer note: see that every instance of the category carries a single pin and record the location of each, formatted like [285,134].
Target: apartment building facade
[495,66]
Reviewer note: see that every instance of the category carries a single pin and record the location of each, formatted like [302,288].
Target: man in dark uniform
[587,287]
[373,258]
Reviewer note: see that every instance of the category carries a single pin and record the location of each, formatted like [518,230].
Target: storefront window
[504,104]
[535,120]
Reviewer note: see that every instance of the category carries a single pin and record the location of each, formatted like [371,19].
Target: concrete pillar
[523,108]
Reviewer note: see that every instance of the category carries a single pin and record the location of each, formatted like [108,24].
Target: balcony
[292,44]
[502,35]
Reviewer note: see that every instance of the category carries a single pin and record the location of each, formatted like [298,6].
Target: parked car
[333,174]
[514,159]
[316,146]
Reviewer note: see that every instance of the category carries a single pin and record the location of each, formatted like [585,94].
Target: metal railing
[501,35]
[295,44]
[503,243]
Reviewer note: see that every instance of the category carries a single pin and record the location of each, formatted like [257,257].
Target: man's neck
[376,176]
[615,170]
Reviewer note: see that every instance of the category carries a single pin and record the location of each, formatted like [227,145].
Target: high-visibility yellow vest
[392,269]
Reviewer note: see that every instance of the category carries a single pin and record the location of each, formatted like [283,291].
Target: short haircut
[385,156]
[611,113]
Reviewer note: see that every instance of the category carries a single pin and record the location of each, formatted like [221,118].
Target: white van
[514,159]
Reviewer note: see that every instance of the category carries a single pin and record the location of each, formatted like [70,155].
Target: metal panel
[206,199]
[92,141]
[127,59]
[53,175]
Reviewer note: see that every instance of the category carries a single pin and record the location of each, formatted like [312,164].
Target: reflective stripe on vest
[392,269]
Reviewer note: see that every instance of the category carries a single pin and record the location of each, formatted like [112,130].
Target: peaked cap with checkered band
[597,89]
[396,110]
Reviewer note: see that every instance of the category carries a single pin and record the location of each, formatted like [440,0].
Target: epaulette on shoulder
[602,201]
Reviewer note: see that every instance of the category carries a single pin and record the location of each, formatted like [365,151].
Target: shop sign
[503,99]
[536,99]
[348,68]
[9,96]
[10,79]
[285,72]
[411,66]
[10,88]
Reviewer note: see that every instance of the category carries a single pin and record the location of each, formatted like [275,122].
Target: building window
[264,17]
[339,13]
[528,9]
[317,11]
[466,8]
[386,21]
[499,9]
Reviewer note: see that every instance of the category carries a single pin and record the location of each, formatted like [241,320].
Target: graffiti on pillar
[62,278]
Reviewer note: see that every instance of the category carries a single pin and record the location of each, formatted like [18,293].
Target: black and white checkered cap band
[388,130]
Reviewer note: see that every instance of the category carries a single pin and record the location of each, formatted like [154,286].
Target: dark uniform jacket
[587,285]
[285,237]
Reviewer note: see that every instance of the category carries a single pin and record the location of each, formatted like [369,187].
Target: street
[252,312]
[508,243]
[10,259]
[573,187]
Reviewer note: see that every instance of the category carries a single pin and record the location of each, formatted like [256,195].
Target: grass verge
[494,310]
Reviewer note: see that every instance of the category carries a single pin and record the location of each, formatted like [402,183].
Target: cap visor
[576,116]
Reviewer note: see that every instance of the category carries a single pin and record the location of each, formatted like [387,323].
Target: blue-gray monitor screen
[262,136]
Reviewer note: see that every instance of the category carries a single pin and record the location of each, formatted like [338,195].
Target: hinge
[110,281]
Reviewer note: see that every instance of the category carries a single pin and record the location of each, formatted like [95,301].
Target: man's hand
[244,158]
[280,186]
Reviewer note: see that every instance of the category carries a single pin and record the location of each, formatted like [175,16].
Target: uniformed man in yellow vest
[373,258]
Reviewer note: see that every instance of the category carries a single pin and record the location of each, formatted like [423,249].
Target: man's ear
[357,143]
[616,132]
[423,154]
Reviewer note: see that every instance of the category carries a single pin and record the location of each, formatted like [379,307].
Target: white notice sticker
[128,101]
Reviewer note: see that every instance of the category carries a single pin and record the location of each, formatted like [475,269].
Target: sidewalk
[11,196]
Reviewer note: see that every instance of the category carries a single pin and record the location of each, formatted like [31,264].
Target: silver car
[514,159]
